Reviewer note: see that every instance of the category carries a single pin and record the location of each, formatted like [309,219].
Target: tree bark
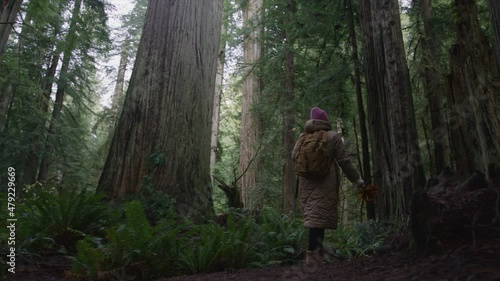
[434,87]
[396,155]
[10,8]
[289,178]
[375,87]
[408,172]
[474,98]
[163,134]
[252,51]
[366,171]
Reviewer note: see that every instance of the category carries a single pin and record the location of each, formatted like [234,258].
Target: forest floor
[465,263]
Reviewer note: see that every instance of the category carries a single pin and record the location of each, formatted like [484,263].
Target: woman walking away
[319,154]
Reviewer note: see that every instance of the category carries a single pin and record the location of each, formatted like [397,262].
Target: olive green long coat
[319,197]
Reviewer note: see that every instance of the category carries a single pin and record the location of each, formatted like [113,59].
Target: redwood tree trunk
[366,171]
[289,178]
[474,97]
[398,167]
[252,52]
[375,87]
[408,173]
[163,135]
[434,87]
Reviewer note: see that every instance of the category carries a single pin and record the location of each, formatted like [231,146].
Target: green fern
[282,236]
[357,240]
[65,216]
[165,247]
[157,204]
[241,242]
[202,252]
[90,259]
[130,241]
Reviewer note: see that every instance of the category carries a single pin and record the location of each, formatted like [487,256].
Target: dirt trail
[465,263]
[461,264]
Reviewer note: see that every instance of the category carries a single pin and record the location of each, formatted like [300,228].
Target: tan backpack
[312,159]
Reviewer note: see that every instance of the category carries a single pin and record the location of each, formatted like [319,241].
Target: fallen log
[450,212]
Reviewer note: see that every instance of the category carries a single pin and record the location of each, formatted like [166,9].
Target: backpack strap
[323,135]
[301,139]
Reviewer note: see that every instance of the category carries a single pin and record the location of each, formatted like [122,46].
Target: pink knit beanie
[319,114]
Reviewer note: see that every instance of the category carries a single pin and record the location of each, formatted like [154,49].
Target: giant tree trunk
[8,14]
[366,170]
[289,178]
[252,51]
[375,88]
[434,87]
[163,135]
[474,97]
[397,163]
[407,170]
[62,83]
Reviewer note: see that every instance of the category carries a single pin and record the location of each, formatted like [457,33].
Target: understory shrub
[357,240]
[158,205]
[55,219]
[136,248]
[282,238]
[131,248]
[214,248]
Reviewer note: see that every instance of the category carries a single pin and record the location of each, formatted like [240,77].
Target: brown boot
[315,257]
[311,258]
[321,256]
